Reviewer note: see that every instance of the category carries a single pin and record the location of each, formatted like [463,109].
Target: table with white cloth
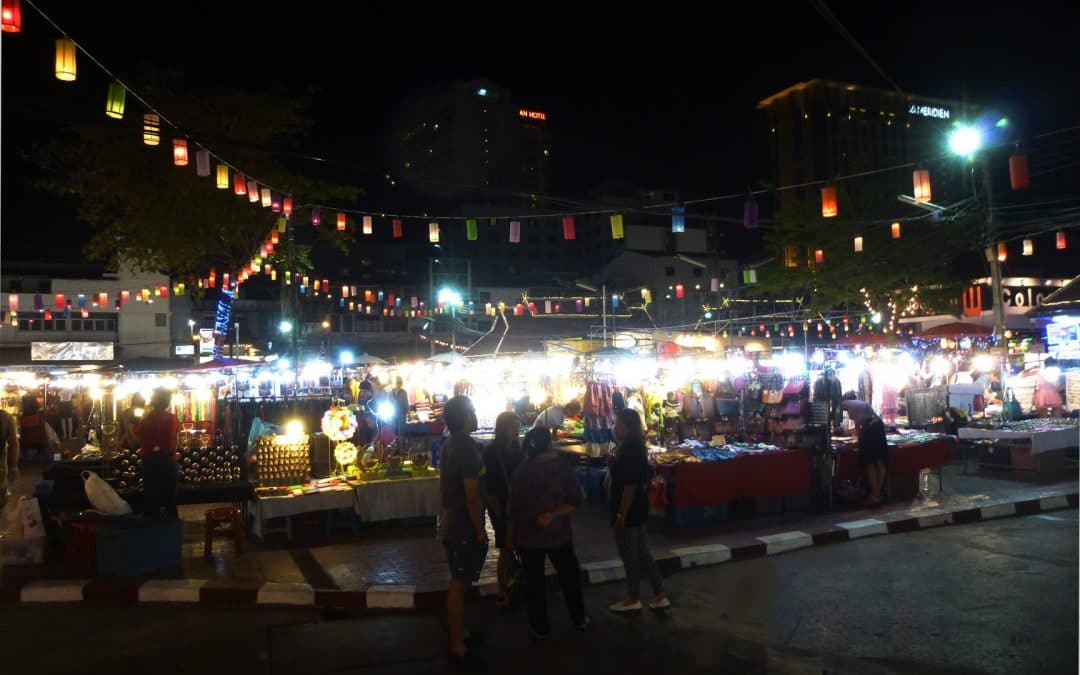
[1041,440]
[397,499]
[265,508]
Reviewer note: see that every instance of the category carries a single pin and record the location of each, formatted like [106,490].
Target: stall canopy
[955,329]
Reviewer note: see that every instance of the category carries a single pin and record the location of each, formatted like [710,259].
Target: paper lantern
[202,163]
[617,231]
[547,307]
[222,177]
[48,312]
[286,207]
[275,202]
[433,232]
[819,256]
[1060,240]
[163,291]
[65,60]
[750,213]
[470,229]
[679,291]
[678,219]
[369,296]
[316,216]
[1002,252]
[397,228]
[316,286]
[60,303]
[114,102]
[264,197]
[895,227]
[253,192]
[85,313]
[1018,172]
[345,291]
[11,16]
[828,202]
[515,232]
[921,180]
[282,223]
[367,225]
[714,285]
[180,152]
[614,300]
[225,280]
[273,274]
[125,297]
[341,222]
[580,305]
[1029,247]
[239,187]
[568,228]
[274,237]
[103,298]
[13,303]
[151,134]
[858,244]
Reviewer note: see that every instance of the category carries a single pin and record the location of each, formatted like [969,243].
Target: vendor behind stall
[553,417]
[873,448]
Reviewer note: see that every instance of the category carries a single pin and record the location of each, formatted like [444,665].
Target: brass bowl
[420,460]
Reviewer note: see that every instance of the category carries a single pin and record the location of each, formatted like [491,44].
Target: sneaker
[660,602]
[626,606]
[584,624]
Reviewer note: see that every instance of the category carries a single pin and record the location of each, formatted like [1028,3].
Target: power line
[827,14]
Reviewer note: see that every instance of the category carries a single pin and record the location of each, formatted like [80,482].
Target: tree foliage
[157,216]
[889,274]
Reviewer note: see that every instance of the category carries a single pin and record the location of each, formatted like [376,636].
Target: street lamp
[448,296]
[191,326]
[966,141]
[285,327]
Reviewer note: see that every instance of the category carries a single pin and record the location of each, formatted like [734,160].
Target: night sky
[659,99]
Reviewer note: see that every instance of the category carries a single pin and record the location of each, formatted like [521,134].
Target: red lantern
[1060,240]
[679,290]
[896,230]
[316,217]
[397,228]
[275,202]
[60,304]
[921,178]
[103,299]
[238,186]
[225,280]
[85,313]
[125,297]
[179,152]
[568,228]
[13,303]
[341,222]
[819,256]
[12,16]
[286,207]
[163,291]
[1018,172]
[48,315]
[828,202]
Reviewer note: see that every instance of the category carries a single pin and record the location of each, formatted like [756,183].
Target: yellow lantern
[921,179]
[114,103]
[65,60]
[617,231]
[222,177]
[433,232]
[151,134]
[1029,247]
[265,195]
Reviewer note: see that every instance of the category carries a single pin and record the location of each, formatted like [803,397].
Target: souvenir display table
[1043,435]
[696,475]
[322,495]
[908,454]
[398,498]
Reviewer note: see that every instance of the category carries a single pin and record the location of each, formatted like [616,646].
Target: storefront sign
[1016,299]
[929,111]
[184,350]
[1063,339]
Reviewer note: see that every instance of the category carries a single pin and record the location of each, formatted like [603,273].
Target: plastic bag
[103,497]
[52,441]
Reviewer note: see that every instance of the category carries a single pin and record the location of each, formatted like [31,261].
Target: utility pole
[603,312]
[992,258]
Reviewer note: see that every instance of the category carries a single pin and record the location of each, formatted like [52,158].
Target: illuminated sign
[532,115]
[929,111]
[71,351]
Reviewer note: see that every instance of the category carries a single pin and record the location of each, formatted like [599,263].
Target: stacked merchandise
[199,463]
[287,462]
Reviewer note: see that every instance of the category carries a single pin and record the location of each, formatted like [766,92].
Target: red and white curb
[407,597]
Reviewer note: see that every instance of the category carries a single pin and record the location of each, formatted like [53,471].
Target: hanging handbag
[793,407]
[772,396]
[1010,409]
[794,387]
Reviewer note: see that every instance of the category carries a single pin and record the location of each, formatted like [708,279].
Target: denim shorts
[466,559]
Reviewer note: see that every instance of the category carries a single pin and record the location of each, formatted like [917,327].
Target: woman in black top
[501,459]
[630,476]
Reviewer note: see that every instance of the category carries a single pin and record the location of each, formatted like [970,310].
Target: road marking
[171,590]
[1055,502]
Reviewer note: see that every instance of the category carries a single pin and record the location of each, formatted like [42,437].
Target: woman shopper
[629,507]
[501,460]
[543,493]
[157,448]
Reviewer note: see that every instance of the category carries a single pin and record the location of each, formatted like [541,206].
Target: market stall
[909,453]
[1031,445]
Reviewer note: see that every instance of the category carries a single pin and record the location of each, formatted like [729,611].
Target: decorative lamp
[547,307]
[617,231]
[341,222]
[568,228]
[678,219]
[828,202]
[12,16]
[151,134]
[921,179]
[680,292]
[858,244]
[1002,252]
[286,207]
[65,60]
[60,303]
[515,231]
[316,216]
[180,152]
[819,256]
[1060,240]
[1018,172]
[275,202]
[239,186]
[397,228]
[114,102]
[433,232]
[253,192]
[367,225]
[264,196]
[471,229]
[895,230]
[1029,247]
[750,213]
[222,177]
[339,423]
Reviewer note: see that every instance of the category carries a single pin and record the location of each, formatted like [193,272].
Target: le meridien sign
[929,111]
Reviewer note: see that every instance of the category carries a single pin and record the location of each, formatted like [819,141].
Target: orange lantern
[65,60]
[341,222]
[12,16]
[828,202]
[274,236]
[896,230]
[1018,172]
[858,244]
[179,152]
[286,207]
[1002,252]
[1060,240]
[397,228]
[921,178]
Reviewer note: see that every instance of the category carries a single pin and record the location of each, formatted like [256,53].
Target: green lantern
[114,105]
[470,229]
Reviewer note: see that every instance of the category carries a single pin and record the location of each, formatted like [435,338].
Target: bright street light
[965,141]
[449,297]
[346,358]
[285,326]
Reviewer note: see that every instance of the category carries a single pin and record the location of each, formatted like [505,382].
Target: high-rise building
[469,142]
[821,129]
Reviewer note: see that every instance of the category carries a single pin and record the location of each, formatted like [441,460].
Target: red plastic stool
[215,517]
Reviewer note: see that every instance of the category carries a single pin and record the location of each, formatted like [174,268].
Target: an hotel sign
[929,111]
[534,115]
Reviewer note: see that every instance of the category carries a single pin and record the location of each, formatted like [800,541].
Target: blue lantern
[678,219]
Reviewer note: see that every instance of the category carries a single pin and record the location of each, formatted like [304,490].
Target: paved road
[995,597]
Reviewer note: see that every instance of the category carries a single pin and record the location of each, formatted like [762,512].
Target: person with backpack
[629,507]
[501,459]
[543,493]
